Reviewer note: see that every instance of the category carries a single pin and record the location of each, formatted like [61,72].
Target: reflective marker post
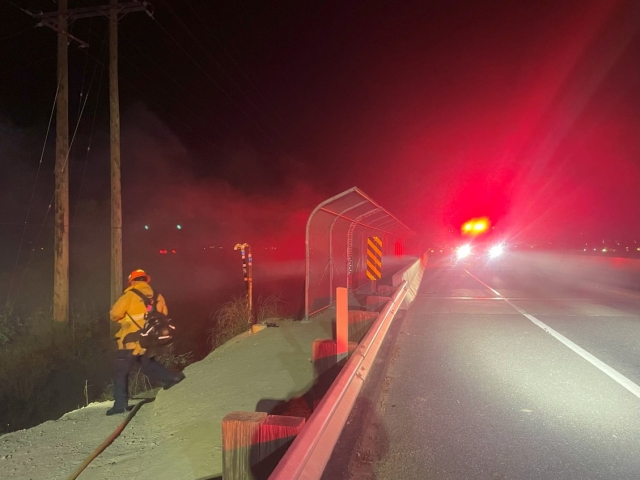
[374,261]
[247,270]
[342,323]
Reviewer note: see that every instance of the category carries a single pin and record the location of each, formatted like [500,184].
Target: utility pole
[58,22]
[61,235]
[114,127]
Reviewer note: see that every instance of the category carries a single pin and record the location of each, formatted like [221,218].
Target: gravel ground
[179,434]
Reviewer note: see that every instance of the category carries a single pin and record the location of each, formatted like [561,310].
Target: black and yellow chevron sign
[374,258]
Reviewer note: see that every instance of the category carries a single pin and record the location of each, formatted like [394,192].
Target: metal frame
[360,214]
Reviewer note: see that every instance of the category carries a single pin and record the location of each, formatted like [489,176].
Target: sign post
[247,270]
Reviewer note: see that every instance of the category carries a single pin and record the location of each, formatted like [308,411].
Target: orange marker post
[342,322]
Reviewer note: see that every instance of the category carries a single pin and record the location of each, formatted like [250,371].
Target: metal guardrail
[309,453]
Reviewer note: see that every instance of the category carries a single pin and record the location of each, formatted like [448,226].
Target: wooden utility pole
[58,22]
[116,197]
[61,235]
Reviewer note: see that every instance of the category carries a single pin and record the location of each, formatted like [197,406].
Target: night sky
[241,116]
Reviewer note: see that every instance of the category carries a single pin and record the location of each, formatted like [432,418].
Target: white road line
[606,369]
[529,299]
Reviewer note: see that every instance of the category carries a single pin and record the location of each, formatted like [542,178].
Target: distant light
[476,226]
[179,227]
[146,227]
[162,251]
[173,250]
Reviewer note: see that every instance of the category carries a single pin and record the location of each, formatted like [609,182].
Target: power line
[180,102]
[16,34]
[266,101]
[190,33]
[173,79]
[159,106]
[64,167]
[86,62]
[33,191]
[257,32]
[48,57]
[189,109]
[15,5]
[214,82]
[93,122]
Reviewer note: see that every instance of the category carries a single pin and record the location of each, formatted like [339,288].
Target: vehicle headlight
[496,251]
[463,251]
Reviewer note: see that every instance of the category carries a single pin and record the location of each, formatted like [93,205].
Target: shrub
[11,326]
[232,318]
[269,308]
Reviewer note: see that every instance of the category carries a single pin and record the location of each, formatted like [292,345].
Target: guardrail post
[254,442]
[277,432]
[240,451]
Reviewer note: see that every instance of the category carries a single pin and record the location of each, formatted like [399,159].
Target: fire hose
[109,439]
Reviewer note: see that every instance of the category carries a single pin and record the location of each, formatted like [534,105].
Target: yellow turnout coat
[131,304]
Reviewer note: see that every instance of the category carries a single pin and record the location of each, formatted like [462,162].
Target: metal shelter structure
[336,245]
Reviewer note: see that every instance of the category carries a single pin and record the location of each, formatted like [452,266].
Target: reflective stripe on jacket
[130,304]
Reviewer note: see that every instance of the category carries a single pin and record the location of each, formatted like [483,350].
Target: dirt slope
[179,434]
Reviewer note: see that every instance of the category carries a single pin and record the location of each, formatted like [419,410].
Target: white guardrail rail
[309,453]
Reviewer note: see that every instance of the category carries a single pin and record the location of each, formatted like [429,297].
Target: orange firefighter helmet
[139,275]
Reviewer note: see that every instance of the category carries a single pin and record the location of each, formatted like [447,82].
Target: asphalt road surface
[527,369]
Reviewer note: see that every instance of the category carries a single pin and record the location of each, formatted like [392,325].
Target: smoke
[24,224]
[230,197]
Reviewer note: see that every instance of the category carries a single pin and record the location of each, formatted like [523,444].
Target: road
[522,370]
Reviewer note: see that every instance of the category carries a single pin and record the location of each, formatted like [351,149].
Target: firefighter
[129,311]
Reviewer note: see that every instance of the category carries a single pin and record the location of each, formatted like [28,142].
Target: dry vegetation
[232,318]
[48,369]
[45,366]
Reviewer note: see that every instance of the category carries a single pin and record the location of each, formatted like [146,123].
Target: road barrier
[309,453]
[412,273]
